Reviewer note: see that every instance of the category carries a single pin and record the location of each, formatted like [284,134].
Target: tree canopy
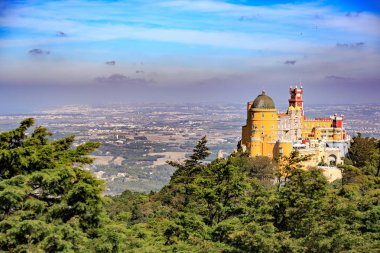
[50,203]
[237,205]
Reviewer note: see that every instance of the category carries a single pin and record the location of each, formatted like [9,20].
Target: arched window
[332,160]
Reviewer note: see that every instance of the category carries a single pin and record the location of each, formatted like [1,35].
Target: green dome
[264,102]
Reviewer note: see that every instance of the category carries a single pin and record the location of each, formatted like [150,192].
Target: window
[262,115]
[272,115]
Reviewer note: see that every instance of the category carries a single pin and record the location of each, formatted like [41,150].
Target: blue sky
[187,51]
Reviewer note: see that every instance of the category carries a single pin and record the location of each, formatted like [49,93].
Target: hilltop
[234,204]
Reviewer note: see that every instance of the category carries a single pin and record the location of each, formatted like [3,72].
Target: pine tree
[48,201]
[361,150]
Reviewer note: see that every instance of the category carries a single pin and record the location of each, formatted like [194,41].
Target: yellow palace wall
[309,125]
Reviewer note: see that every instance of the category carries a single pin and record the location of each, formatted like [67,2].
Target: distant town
[137,140]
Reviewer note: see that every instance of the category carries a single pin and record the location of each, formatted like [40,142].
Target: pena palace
[275,134]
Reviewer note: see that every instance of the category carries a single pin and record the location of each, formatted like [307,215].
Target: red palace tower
[296,97]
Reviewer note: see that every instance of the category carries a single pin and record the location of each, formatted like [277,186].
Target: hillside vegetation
[237,204]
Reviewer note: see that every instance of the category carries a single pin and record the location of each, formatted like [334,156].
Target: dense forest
[49,203]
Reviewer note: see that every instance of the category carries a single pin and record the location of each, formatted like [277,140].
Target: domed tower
[259,135]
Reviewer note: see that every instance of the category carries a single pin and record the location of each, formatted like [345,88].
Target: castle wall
[314,159]
[282,148]
[342,145]
[332,156]
[309,127]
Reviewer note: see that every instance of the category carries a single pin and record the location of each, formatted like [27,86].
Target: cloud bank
[226,47]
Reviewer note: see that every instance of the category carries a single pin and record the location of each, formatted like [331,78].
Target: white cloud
[271,36]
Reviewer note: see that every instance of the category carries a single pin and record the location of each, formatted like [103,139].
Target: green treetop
[48,201]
